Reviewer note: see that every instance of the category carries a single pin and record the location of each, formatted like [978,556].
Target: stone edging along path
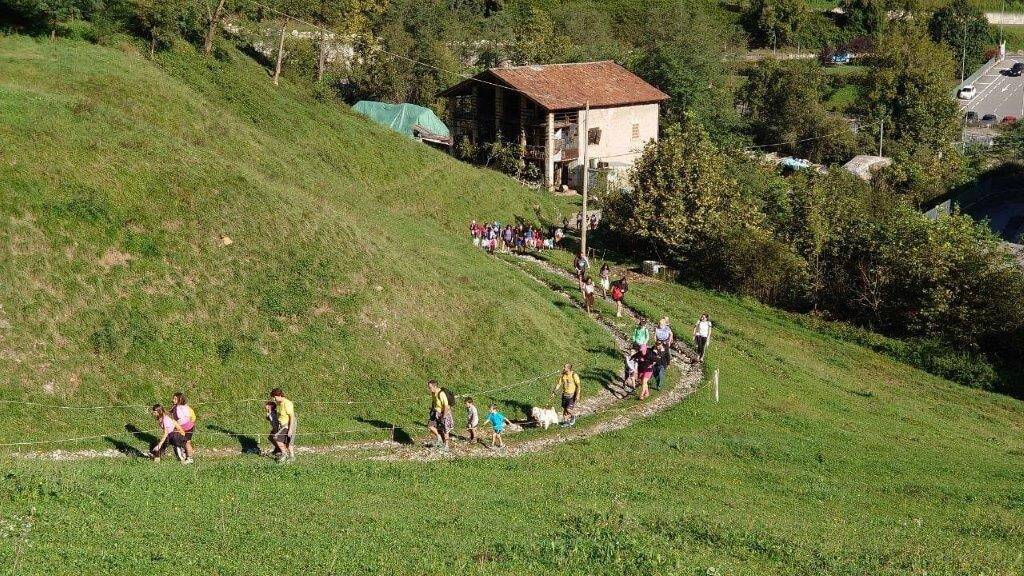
[597,403]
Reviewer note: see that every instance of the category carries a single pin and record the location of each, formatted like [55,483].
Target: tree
[908,90]
[681,198]
[683,57]
[962,27]
[775,22]
[45,15]
[784,104]
[215,11]
[865,17]
[161,20]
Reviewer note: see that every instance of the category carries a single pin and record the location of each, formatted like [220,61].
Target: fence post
[392,432]
[715,385]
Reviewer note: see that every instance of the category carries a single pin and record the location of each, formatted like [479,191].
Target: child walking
[472,420]
[498,422]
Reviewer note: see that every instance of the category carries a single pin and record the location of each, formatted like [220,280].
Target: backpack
[449,395]
[616,291]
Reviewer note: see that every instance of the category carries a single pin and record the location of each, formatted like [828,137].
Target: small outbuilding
[409,119]
[864,166]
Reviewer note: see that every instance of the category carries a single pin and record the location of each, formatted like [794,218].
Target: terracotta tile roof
[570,86]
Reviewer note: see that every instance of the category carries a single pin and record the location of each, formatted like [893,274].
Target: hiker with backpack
[441,419]
[618,292]
[606,279]
[569,383]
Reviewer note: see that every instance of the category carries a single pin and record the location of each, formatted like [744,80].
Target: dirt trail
[597,412]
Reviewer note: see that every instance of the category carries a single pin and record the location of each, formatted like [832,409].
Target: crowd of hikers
[645,363]
[495,237]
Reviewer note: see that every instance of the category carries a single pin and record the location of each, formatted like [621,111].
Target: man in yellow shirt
[441,420]
[285,436]
[569,383]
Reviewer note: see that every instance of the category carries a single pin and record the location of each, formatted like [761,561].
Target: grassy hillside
[349,276]
[820,458]
[116,181]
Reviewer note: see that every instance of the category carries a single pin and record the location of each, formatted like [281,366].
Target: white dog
[544,417]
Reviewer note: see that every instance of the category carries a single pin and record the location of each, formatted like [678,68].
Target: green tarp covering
[409,119]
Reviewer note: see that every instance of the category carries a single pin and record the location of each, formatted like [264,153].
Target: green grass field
[350,276]
[820,458]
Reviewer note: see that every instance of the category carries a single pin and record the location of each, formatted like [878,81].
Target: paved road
[998,93]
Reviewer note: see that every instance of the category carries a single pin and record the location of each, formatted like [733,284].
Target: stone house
[541,108]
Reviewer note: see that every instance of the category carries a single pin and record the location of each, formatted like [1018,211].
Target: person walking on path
[275,426]
[646,360]
[702,335]
[588,295]
[441,421]
[663,333]
[186,417]
[629,371]
[641,335]
[619,289]
[284,439]
[472,419]
[497,421]
[606,279]
[580,264]
[171,433]
[571,387]
[664,355]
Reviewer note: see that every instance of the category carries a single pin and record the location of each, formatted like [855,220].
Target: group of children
[494,237]
[441,421]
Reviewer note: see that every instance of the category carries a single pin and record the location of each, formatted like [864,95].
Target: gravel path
[597,412]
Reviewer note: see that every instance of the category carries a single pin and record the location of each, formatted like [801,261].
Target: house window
[636,131]
[594,136]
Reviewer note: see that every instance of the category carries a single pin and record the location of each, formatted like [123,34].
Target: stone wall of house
[624,133]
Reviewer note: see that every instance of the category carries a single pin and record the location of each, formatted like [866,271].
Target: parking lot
[997,92]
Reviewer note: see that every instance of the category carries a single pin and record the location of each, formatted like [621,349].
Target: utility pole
[881,134]
[280,51]
[585,141]
[963,56]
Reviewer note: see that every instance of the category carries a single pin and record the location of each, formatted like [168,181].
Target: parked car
[971,117]
[1016,70]
[989,119]
[1009,119]
[841,58]
[967,92]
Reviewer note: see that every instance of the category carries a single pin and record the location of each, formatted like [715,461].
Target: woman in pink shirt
[171,433]
[186,417]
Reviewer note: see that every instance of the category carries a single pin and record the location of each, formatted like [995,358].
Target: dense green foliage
[962,27]
[824,243]
[784,102]
[909,91]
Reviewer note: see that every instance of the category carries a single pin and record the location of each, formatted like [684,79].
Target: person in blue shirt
[498,422]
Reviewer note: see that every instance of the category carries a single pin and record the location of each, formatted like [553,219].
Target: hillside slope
[820,458]
[349,275]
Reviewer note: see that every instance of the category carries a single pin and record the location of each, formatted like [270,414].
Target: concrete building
[541,109]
